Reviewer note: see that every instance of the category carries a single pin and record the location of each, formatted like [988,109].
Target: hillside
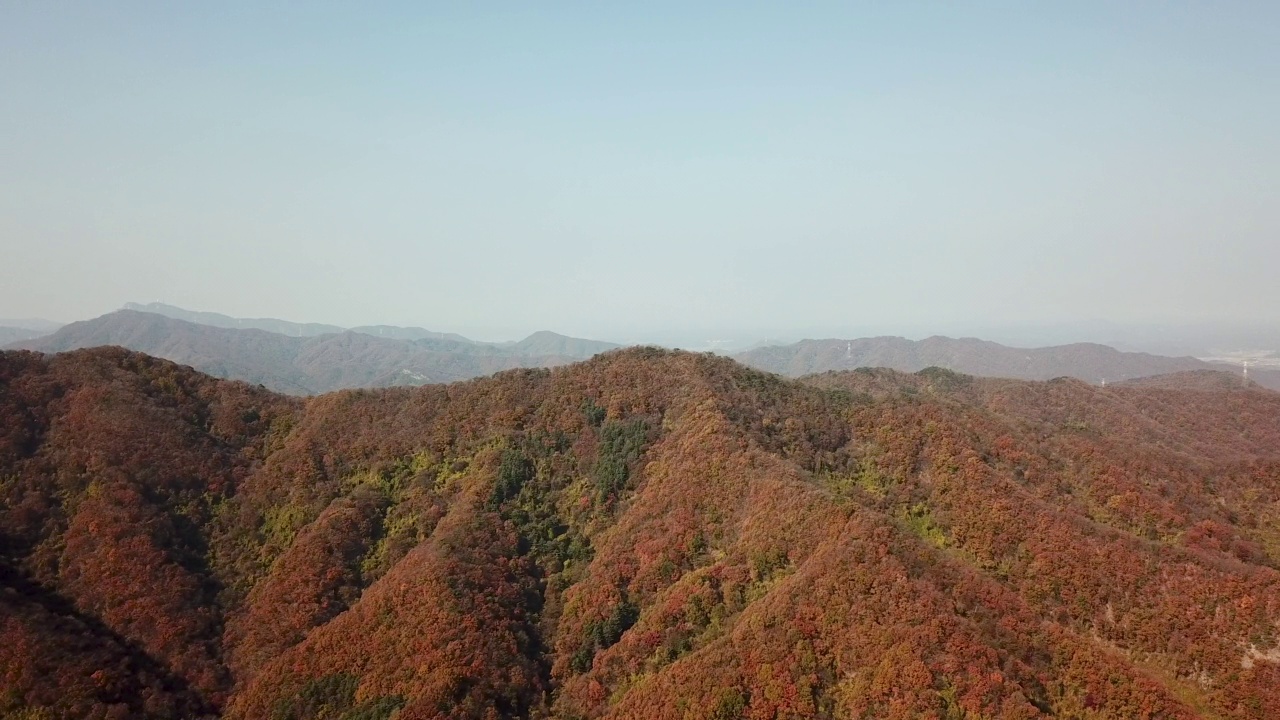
[1086,361]
[1194,380]
[647,534]
[295,365]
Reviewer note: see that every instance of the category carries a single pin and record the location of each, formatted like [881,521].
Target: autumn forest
[646,534]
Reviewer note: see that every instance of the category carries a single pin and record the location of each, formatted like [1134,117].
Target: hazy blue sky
[496,168]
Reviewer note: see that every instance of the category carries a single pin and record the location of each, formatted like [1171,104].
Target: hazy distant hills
[14,334]
[284,327]
[310,358]
[38,324]
[1086,361]
[306,364]
[15,329]
[294,329]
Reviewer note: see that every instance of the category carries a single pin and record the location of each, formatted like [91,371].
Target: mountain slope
[1195,380]
[1086,361]
[296,365]
[647,534]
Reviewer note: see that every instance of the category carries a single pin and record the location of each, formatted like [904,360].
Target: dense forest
[647,534]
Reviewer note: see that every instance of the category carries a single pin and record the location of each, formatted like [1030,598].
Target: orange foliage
[648,534]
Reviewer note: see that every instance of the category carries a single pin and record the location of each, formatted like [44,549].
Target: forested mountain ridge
[1086,361]
[645,534]
[296,365]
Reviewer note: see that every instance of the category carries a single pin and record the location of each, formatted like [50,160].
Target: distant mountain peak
[552,343]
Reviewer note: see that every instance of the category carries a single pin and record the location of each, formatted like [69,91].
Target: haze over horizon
[1186,339]
[621,174]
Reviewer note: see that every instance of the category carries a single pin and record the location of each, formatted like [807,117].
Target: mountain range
[309,358]
[1086,361]
[315,363]
[646,534]
[543,342]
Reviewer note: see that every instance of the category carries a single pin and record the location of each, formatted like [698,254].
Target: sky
[815,169]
